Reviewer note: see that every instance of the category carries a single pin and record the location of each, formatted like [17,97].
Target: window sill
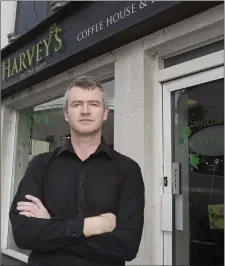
[14,254]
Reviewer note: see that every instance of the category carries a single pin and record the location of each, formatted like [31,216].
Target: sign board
[72,36]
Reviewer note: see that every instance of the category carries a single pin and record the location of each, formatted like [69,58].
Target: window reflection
[199,147]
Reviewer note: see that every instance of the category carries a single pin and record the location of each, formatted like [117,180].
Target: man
[82,204]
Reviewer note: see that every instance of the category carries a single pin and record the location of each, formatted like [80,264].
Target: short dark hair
[86,83]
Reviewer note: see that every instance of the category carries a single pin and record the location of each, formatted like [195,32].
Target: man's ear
[65,113]
[106,112]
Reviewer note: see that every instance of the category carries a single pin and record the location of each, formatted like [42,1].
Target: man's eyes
[80,104]
[76,104]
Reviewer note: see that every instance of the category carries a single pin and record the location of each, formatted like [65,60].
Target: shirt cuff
[75,227]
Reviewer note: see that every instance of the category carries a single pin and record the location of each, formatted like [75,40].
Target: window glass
[196,53]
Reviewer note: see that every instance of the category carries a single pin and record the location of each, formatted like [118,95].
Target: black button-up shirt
[72,190]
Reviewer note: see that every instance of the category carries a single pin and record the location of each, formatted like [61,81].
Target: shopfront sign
[33,58]
[81,31]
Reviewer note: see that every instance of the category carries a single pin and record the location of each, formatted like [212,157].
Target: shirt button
[79,209]
[74,234]
[81,184]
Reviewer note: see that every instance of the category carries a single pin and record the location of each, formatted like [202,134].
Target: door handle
[176,178]
[178,197]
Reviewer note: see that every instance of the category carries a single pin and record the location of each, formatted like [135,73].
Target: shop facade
[162,65]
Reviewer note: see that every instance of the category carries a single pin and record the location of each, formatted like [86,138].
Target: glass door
[194,168]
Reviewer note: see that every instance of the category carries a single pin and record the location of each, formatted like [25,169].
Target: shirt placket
[81,188]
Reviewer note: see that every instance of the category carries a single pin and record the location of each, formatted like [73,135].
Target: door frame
[193,72]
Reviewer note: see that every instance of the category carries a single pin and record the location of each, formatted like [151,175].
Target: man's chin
[87,131]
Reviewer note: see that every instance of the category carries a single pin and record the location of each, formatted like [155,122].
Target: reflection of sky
[58,103]
[209,95]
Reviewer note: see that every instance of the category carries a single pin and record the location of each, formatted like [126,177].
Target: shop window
[193,54]
[41,129]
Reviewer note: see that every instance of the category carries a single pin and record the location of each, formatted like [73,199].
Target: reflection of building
[204,130]
[136,49]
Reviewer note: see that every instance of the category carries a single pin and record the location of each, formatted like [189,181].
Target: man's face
[85,111]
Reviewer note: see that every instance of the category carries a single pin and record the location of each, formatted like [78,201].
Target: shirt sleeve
[41,234]
[123,243]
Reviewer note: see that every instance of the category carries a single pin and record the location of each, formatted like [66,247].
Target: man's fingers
[24,203]
[34,206]
[24,208]
[31,208]
[34,200]
[26,213]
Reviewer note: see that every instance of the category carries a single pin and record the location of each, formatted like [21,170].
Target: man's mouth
[85,120]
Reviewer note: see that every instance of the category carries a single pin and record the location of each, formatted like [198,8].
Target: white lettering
[84,34]
[122,14]
[101,25]
[116,17]
[126,12]
[79,37]
[133,8]
[109,21]
[90,31]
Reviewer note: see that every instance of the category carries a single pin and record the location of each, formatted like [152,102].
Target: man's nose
[85,109]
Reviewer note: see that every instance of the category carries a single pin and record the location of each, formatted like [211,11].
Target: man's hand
[99,224]
[108,222]
[35,208]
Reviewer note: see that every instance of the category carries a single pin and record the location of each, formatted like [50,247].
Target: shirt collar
[103,147]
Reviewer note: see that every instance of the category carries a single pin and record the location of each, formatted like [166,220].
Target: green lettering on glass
[209,140]
[30,122]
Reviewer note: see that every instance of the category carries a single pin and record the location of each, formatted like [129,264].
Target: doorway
[193,136]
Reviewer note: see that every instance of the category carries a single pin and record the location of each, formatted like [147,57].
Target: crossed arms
[108,237]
